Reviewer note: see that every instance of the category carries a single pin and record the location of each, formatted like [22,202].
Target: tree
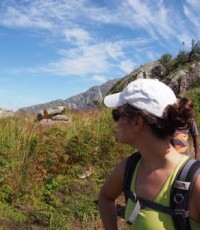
[181,58]
[194,54]
[167,61]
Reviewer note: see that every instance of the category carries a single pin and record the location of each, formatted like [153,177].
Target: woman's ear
[138,123]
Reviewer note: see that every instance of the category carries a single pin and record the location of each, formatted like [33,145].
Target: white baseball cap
[150,95]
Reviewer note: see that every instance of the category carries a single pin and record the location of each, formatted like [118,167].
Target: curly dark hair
[175,117]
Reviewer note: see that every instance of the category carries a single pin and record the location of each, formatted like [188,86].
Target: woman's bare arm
[111,189]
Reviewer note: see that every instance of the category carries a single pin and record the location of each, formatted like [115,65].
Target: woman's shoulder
[113,185]
[120,167]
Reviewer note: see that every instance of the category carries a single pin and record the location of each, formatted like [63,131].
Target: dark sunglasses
[116,114]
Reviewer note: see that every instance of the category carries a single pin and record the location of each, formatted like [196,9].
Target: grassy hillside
[194,95]
[42,184]
[41,167]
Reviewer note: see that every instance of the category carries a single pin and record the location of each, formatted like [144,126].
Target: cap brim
[114,100]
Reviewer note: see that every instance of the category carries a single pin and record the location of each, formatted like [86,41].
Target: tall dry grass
[40,183]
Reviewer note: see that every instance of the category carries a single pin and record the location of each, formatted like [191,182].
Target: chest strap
[140,202]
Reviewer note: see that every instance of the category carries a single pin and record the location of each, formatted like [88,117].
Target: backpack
[179,196]
[180,141]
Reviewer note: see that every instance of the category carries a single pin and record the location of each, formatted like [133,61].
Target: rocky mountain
[180,78]
[89,99]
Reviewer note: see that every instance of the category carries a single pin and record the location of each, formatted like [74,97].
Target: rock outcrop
[184,79]
[50,122]
[52,116]
[50,113]
[179,80]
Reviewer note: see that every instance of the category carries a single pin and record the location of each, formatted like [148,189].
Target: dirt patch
[96,225]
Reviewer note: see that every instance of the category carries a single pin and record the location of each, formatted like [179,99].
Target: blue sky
[54,49]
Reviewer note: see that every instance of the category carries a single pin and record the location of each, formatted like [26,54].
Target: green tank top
[149,219]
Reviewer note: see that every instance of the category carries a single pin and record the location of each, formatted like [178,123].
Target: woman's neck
[157,153]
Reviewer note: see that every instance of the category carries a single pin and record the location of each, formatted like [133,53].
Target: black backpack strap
[146,203]
[180,193]
[128,173]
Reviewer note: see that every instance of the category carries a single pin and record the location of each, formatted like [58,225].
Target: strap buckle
[182,185]
[178,198]
[181,213]
[134,213]
[131,195]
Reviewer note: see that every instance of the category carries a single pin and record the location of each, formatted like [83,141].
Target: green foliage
[41,168]
[119,86]
[194,95]
[41,181]
[181,57]
[32,146]
[84,208]
[194,54]
[97,103]
[8,213]
[167,61]
[184,60]
[185,57]
[5,192]
[77,148]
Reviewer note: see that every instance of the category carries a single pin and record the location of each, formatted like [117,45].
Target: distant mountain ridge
[86,100]
[181,79]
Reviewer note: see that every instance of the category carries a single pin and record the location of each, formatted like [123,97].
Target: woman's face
[124,126]
[124,132]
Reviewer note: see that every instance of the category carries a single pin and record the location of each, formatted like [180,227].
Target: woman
[147,114]
[180,138]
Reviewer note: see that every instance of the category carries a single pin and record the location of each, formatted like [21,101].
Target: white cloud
[59,15]
[99,78]
[126,66]
[80,66]
[191,10]
[79,23]
[77,36]
[152,16]
[194,4]
[113,50]
[152,55]
[13,17]
[98,59]
[92,39]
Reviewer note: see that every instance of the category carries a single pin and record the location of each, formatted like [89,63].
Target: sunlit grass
[41,167]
